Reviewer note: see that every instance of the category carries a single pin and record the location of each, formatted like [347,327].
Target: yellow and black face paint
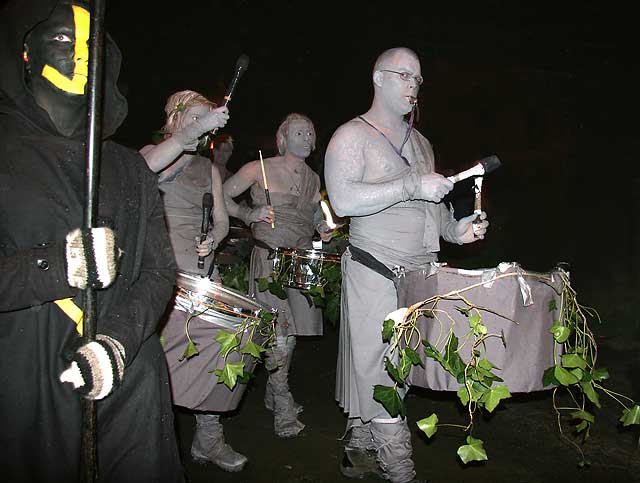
[75,84]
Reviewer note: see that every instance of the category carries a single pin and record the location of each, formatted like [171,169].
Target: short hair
[177,105]
[281,134]
[388,54]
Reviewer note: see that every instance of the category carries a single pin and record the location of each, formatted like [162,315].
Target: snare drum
[302,268]
[210,300]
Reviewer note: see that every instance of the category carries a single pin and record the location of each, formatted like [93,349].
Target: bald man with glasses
[380,172]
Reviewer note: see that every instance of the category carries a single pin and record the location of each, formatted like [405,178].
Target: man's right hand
[433,187]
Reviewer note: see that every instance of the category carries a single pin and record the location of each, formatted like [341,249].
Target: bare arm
[220,215]
[160,156]
[344,174]
[238,184]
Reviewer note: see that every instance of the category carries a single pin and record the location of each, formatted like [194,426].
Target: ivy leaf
[600,374]
[451,360]
[475,322]
[486,364]
[429,425]
[582,426]
[190,351]
[276,289]
[266,316]
[590,392]
[230,373]
[583,415]
[163,341]
[387,330]
[564,377]
[413,357]
[332,310]
[630,416]
[253,349]
[552,305]
[573,360]
[549,378]
[393,371]
[493,397]
[560,332]
[463,395]
[390,399]
[405,365]
[431,352]
[227,342]
[472,451]
[263,284]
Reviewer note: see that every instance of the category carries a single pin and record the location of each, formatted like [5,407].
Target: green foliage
[429,425]
[227,341]
[235,276]
[387,330]
[190,351]
[230,373]
[630,416]
[472,451]
[390,399]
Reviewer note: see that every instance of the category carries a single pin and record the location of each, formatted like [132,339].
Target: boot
[359,458]
[290,345]
[209,446]
[285,421]
[393,443]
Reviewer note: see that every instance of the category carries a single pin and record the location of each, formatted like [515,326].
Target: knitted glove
[91,257]
[96,367]
[188,135]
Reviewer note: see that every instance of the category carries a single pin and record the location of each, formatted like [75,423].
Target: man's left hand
[472,228]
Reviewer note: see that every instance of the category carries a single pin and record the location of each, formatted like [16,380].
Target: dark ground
[521,438]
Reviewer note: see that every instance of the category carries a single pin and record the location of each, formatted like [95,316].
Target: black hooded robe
[41,200]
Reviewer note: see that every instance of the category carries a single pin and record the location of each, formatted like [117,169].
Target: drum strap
[72,311]
[365,258]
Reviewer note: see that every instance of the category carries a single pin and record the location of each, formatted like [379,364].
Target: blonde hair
[281,134]
[177,105]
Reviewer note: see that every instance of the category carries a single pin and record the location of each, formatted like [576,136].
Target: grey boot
[290,345]
[393,442]
[285,421]
[359,458]
[209,446]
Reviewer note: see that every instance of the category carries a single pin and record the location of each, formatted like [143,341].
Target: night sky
[550,87]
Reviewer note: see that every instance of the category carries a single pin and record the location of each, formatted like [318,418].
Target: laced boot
[359,458]
[393,443]
[290,344]
[209,446]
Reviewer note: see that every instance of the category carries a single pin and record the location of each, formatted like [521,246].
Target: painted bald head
[397,79]
[392,57]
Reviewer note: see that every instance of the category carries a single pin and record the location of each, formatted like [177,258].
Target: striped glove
[96,367]
[92,257]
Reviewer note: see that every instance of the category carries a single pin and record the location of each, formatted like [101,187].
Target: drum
[508,290]
[202,310]
[211,300]
[300,268]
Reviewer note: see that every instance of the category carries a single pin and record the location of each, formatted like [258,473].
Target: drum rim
[323,255]
[255,304]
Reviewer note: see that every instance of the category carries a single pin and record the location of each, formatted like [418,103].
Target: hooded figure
[46,259]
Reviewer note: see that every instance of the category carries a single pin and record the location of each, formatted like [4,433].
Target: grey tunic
[294,228]
[192,385]
[406,235]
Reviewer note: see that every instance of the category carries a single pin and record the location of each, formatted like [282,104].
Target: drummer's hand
[467,231]
[326,233]
[206,247]
[264,214]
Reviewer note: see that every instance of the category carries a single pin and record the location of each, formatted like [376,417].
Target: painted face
[58,49]
[300,138]
[194,113]
[401,82]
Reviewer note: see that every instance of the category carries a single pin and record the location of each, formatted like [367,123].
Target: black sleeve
[136,316]
[33,277]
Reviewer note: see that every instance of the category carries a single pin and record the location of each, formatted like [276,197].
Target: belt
[369,261]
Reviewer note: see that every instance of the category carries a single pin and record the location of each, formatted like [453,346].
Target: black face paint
[58,50]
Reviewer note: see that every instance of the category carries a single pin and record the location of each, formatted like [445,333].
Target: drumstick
[266,186]
[477,205]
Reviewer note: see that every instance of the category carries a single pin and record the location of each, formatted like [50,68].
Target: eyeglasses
[406,76]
